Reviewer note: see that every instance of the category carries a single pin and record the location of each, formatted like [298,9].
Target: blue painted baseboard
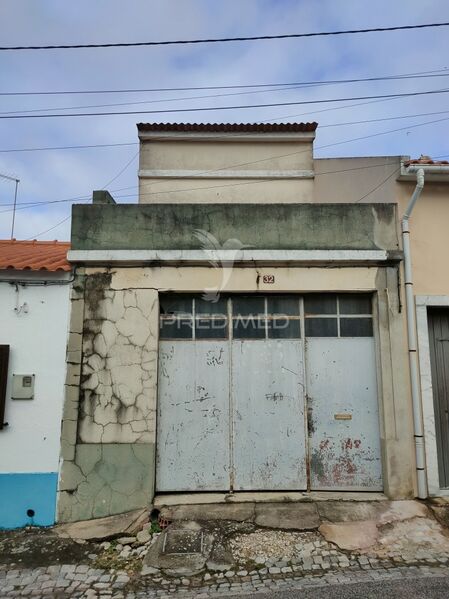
[27,499]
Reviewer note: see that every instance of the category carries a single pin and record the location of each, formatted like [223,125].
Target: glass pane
[176,328]
[282,328]
[321,327]
[283,304]
[247,327]
[210,308]
[356,327]
[320,303]
[175,304]
[211,328]
[355,303]
[248,305]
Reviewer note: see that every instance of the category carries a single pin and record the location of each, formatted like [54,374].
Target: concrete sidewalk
[237,549]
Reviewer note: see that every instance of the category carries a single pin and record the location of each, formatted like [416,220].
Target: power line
[104,186]
[228,39]
[347,123]
[83,147]
[417,75]
[33,205]
[209,108]
[50,229]
[163,100]
[155,101]
[314,112]
[262,181]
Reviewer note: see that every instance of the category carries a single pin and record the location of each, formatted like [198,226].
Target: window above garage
[342,315]
[258,317]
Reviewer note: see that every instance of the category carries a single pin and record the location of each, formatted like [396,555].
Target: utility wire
[24,206]
[104,186]
[417,75]
[229,39]
[348,123]
[314,112]
[154,101]
[214,108]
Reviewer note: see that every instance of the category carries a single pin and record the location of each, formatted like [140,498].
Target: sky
[54,175]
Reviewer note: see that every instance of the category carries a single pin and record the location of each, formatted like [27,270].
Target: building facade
[35,279]
[236,331]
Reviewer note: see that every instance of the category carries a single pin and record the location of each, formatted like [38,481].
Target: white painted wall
[37,341]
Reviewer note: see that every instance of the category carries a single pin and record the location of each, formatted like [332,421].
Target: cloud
[49,176]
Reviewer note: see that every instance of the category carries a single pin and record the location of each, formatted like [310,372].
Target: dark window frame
[4,362]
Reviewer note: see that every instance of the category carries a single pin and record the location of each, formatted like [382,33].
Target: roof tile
[426,160]
[230,127]
[34,255]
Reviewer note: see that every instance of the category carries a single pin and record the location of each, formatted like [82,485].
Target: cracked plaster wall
[119,373]
[108,427]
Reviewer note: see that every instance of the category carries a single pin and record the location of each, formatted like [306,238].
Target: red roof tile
[34,255]
[229,127]
[426,160]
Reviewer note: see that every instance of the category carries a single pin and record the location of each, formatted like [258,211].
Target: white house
[34,302]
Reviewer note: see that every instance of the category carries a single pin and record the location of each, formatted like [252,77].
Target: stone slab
[100,529]
[350,511]
[238,512]
[351,536]
[178,562]
[287,516]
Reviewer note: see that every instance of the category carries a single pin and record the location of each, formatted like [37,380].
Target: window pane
[175,304]
[203,306]
[248,305]
[320,303]
[282,328]
[356,327]
[211,328]
[321,327]
[176,328]
[278,304]
[247,327]
[355,303]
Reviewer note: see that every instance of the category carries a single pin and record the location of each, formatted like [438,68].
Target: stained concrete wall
[267,226]
[108,432]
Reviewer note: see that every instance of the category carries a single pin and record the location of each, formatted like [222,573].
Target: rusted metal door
[439,359]
[235,379]
[344,440]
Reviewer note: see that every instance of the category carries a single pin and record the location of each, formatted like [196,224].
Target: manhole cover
[183,541]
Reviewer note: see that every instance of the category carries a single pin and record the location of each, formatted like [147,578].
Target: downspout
[418,424]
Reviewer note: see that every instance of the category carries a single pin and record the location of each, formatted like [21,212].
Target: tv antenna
[16,181]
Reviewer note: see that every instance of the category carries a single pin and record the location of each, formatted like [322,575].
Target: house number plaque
[269,279]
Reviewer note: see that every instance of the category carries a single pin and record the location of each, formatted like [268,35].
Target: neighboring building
[393,178]
[35,280]
[234,332]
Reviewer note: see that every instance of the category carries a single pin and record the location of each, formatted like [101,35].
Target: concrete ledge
[231,257]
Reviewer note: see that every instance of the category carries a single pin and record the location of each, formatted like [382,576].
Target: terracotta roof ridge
[230,127]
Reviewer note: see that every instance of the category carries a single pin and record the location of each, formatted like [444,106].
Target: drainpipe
[418,424]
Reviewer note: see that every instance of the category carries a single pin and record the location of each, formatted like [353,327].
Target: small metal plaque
[183,542]
[268,279]
[342,416]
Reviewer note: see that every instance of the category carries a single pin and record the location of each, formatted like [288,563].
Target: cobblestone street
[70,581]
[160,558]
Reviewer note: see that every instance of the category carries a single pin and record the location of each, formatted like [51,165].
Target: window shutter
[4,358]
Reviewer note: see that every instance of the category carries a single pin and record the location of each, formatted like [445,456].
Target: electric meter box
[22,386]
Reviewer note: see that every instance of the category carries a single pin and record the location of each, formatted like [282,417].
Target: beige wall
[231,168]
[375,180]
